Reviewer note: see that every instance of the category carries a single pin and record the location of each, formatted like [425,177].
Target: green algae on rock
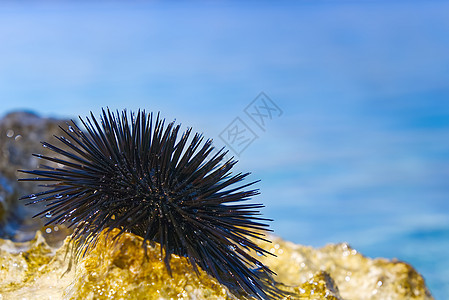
[118,269]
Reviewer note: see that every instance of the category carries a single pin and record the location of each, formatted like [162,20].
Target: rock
[356,276]
[21,134]
[119,270]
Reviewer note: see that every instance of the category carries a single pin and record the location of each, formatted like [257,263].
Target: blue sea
[341,108]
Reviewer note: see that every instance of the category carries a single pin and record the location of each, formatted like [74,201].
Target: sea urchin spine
[129,173]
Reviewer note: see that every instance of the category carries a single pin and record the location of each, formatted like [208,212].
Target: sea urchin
[129,173]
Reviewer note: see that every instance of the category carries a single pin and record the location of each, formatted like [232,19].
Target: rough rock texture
[31,270]
[119,270]
[356,276]
[20,136]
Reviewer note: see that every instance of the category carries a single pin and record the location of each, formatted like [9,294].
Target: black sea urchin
[128,173]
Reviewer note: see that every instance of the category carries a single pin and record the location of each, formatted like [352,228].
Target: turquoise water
[358,150]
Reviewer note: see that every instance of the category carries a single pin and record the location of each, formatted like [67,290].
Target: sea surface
[341,108]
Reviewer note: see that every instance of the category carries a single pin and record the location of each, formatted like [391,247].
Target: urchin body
[131,173]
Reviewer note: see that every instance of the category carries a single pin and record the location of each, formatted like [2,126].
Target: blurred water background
[360,152]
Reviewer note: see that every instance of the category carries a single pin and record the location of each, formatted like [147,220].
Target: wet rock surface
[118,269]
[356,276]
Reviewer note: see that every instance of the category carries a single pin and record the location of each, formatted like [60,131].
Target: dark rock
[21,134]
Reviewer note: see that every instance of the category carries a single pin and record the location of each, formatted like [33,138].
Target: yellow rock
[356,276]
[119,270]
[32,270]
